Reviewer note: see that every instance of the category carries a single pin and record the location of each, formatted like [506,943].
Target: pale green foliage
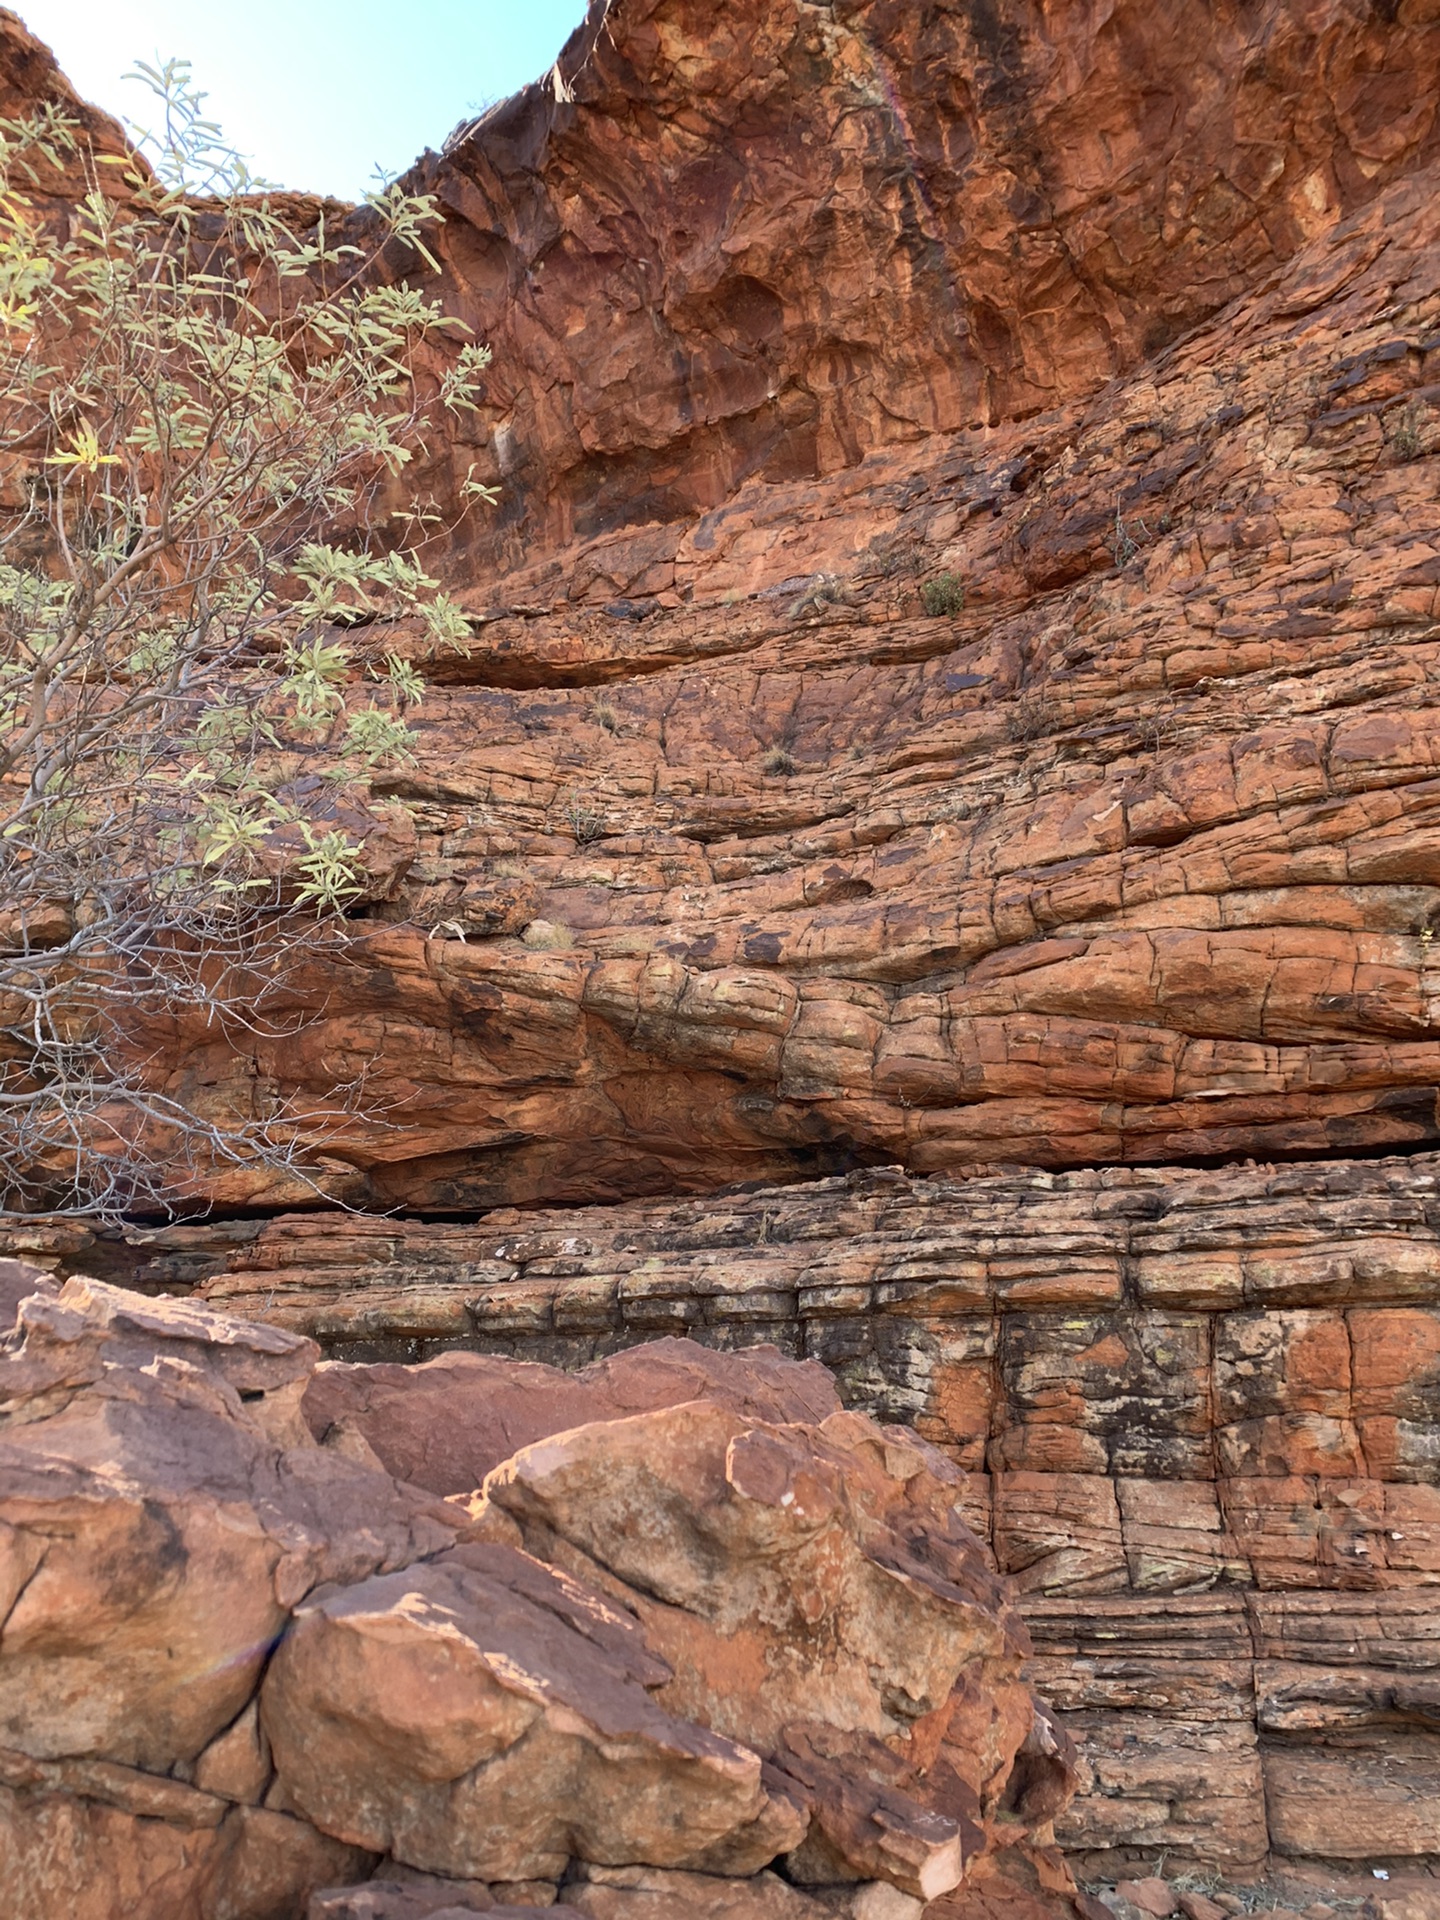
[204,409]
[373,736]
[327,868]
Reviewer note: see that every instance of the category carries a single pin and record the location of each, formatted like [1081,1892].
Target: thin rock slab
[643,1893]
[404,1894]
[483,1717]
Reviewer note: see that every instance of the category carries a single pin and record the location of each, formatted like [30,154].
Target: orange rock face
[1107,336]
[771,245]
[951,740]
[734,861]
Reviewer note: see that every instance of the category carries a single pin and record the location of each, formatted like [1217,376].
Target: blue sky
[315,93]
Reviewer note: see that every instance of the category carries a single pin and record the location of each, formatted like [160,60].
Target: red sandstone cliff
[771,240]
[734,862]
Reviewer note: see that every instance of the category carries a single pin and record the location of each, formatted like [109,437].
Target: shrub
[943,596]
[195,394]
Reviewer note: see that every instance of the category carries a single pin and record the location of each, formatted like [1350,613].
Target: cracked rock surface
[679,1648]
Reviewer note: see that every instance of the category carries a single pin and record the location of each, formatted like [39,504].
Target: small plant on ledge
[944,596]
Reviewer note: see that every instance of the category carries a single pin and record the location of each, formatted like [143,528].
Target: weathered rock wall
[768,243]
[1198,1414]
[737,862]
[1132,859]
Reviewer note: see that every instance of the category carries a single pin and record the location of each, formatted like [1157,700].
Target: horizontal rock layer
[1130,859]
[1198,1415]
[952,687]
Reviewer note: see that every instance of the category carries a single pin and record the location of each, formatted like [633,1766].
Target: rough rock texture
[738,864]
[953,689]
[769,244]
[1131,860]
[1197,1414]
[237,1666]
[619,1893]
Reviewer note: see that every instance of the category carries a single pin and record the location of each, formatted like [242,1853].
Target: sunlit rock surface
[238,1665]
[950,740]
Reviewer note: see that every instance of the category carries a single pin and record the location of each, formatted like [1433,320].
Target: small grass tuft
[1122,543]
[779,760]
[944,596]
[1404,436]
[825,590]
[581,818]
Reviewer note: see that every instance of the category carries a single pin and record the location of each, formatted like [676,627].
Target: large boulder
[803,1572]
[485,1717]
[719,1627]
[162,1508]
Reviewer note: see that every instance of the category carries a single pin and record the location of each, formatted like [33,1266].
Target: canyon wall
[772,242]
[732,860]
[949,744]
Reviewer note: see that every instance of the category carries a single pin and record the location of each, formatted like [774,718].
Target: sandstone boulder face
[448,1425]
[481,1719]
[157,1534]
[238,1666]
[772,1564]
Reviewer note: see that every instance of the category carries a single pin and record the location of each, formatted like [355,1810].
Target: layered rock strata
[741,1629]
[1131,859]
[1113,328]
[1197,1414]
[952,688]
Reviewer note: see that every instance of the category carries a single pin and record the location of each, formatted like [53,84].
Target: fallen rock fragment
[1197,1906]
[18,1280]
[1151,1895]
[652,1659]
[404,1894]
